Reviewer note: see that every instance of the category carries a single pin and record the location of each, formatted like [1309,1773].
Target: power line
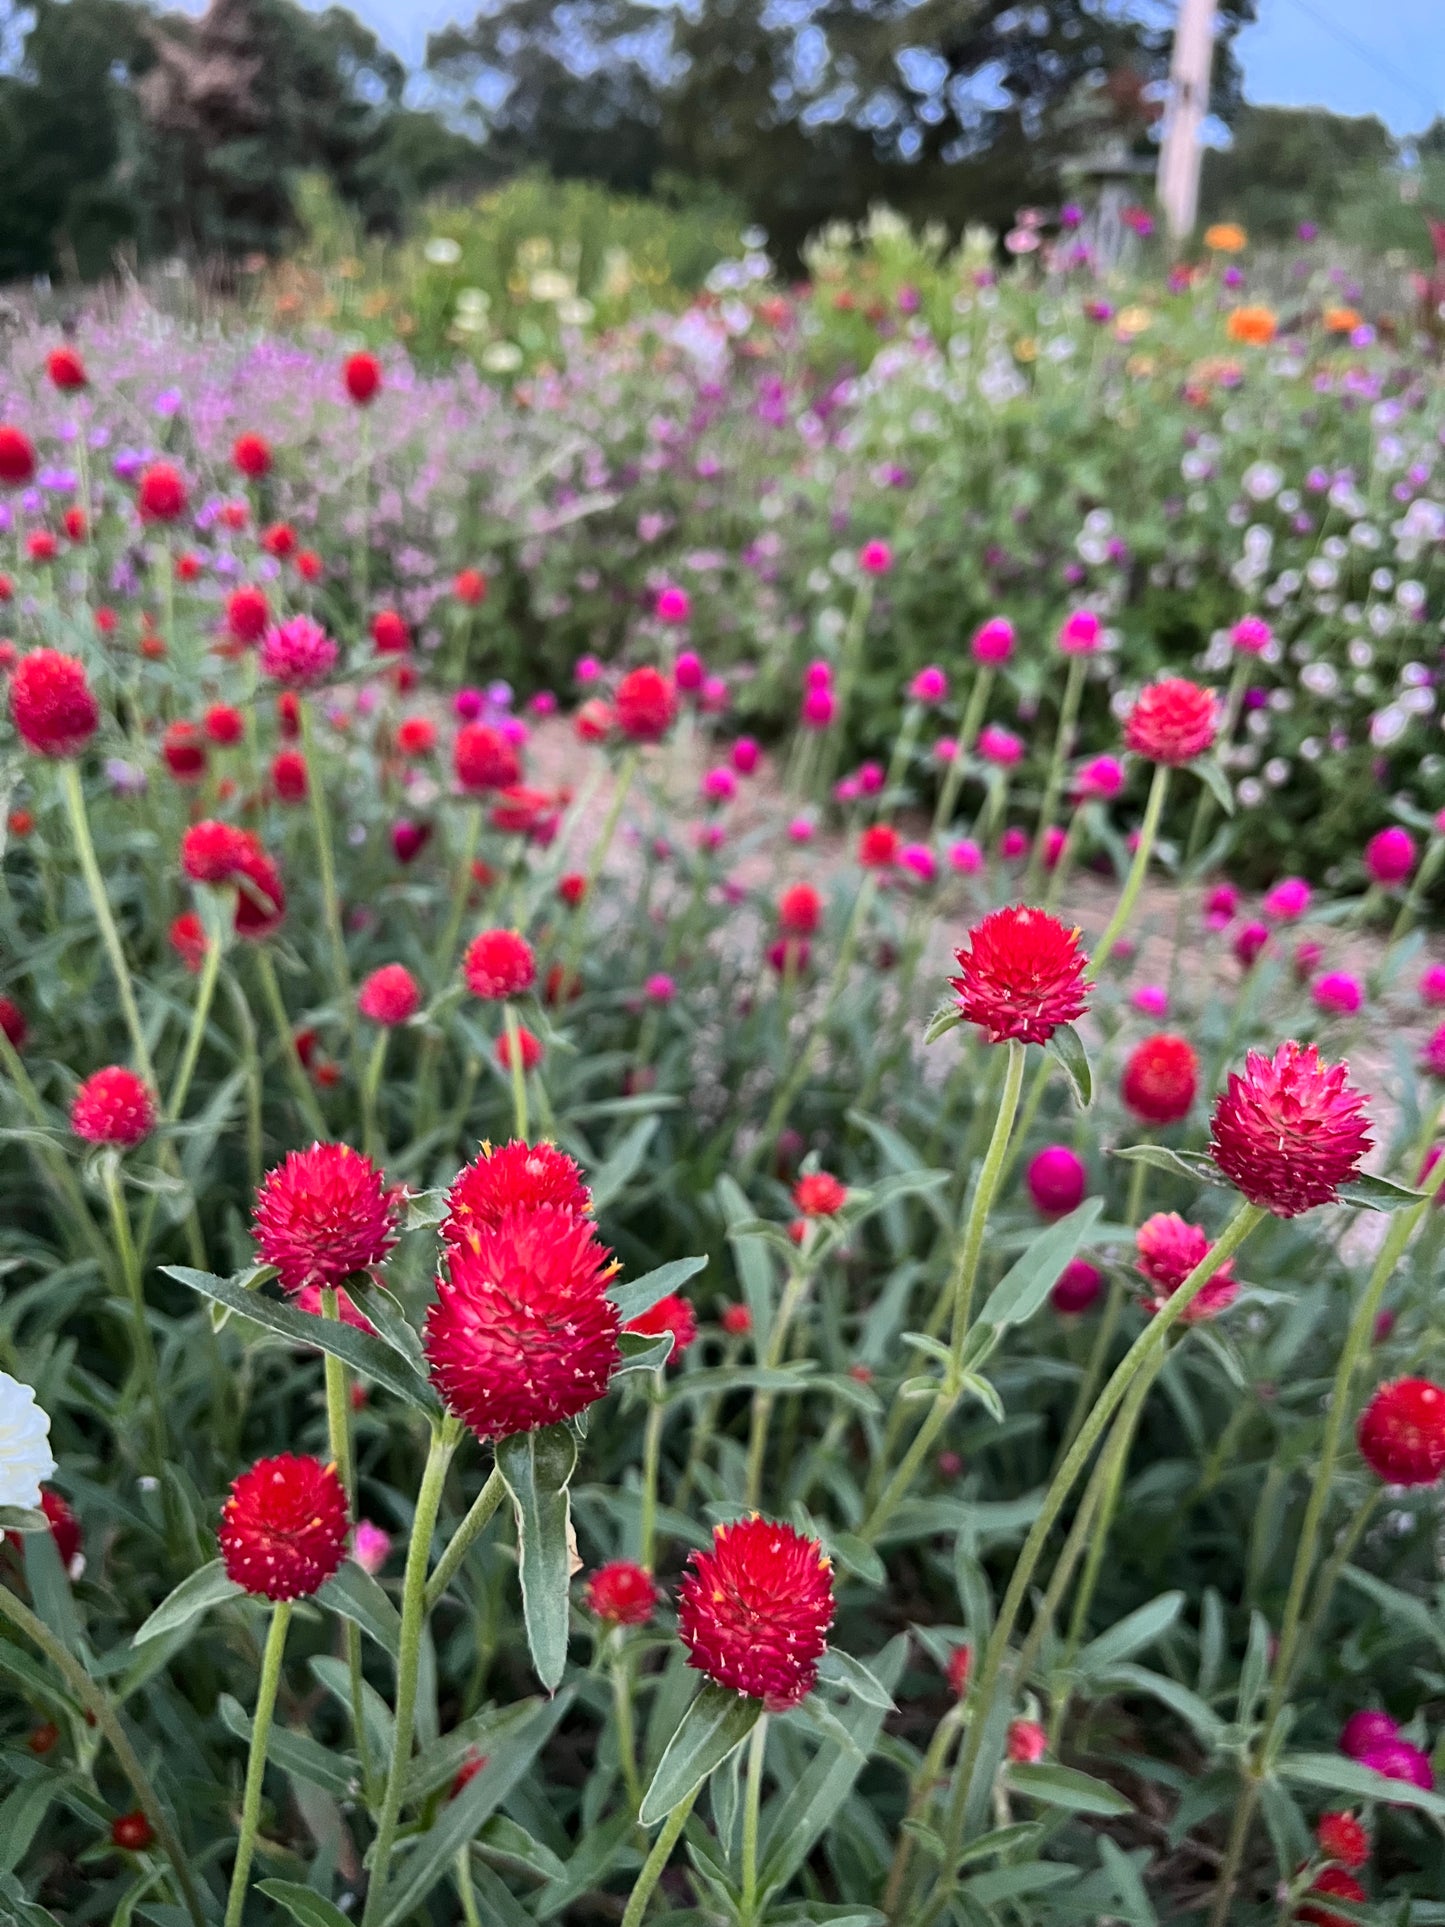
[1368,55]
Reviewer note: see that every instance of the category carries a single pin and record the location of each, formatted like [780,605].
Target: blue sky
[1385,58]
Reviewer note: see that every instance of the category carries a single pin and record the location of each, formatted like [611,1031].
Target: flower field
[721,1084]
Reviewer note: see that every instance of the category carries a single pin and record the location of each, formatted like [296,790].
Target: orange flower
[1253,325]
[1225,237]
[1341,321]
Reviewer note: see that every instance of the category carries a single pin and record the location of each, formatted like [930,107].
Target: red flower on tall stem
[161,495]
[514,1176]
[1022,976]
[284,1528]
[499,964]
[17,456]
[754,1611]
[1172,722]
[1401,1433]
[484,760]
[621,1594]
[52,704]
[322,1215]
[389,995]
[1290,1130]
[114,1107]
[1161,1078]
[645,705]
[66,370]
[361,374]
[251,454]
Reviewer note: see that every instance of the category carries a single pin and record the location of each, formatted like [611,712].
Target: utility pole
[1180,154]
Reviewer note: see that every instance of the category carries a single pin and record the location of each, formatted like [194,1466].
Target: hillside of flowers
[721,1096]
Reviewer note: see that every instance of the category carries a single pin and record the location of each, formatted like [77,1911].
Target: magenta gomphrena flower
[390,995]
[1000,746]
[323,1215]
[298,654]
[965,858]
[920,860]
[1432,985]
[114,1107]
[745,755]
[929,685]
[1390,856]
[1220,906]
[1151,999]
[1364,1729]
[1081,633]
[993,643]
[1013,845]
[1288,901]
[875,557]
[1432,1057]
[1251,635]
[688,671]
[660,988]
[1290,1130]
[1056,1179]
[1338,993]
[819,708]
[673,604]
[1099,780]
[719,785]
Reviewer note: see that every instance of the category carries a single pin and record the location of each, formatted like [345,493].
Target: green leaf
[1065,1786]
[1183,1164]
[643,1353]
[459,1820]
[1397,1605]
[22,1518]
[537,1467]
[23,1912]
[1066,1047]
[197,1594]
[1378,1194]
[1131,1634]
[716,1723]
[393,1326]
[1030,1279]
[356,1596]
[1012,1883]
[370,1356]
[1196,1712]
[623,1163]
[754,1265]
[948,1017]
[1128,1885]
[1210,774]
[21,1813]
[297,1753]
[1335,1774]
[641,1294]
[303,1905]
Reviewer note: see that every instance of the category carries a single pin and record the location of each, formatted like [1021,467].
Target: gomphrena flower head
[754,1611]
[322,1215]
[298,654]
[622,1594]
[514,1176]
[1390,856]
[161,494]
[672,1314]
[1161,1077]
[66,369]
[499,964]
[1399,1759]
[1021,975]
[113,1107]
[389,995]
[1342,1839]
[1333,1883]
[483,759]
[644,705]
[52,704]
[1367,1727]
[248,613]
[522,1332]
[283,1529]
[1290,1130]
[361,377]
[1172,721]
[1401,1433]
[251,456]
[1169,1248]
[818,1194]
[212,851]
[1056,1178]
[17,456]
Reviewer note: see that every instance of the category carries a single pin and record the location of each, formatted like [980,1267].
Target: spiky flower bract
[322,1215]
[1289,1130]
[754,1610]
[1021,976]
[283,1529]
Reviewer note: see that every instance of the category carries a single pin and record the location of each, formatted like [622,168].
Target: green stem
[145,1357]
[370,1086]
[295,1069]
[517,1070]
[1419,884]
[626,1735]
[967,736]
[205,991]
[100,903]
[52,1160]
[338,1425]
[446,956]
[1140,1356]
[752,1804]
[326,861]
[251,1056]
[651,1458]
[1054,782]
[658,1859]
[1149,830]
[1098,1359]
[793,1295]
[256,1764]
[921,1791]
[408,1665]
[465,1536]
[470,1912]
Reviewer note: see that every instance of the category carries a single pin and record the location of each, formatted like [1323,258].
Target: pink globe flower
[820,706]
[929,685]
[1251,635]
[719,785]
[875,557]
[744,755]
[1399,1760]
[1432,985]
[1056,1178]
[994,642]
[1081,633]
[1013,845]
[673,604]
[1151,999]
[965,857]
[1250,939]
[802,829]
[818,674]
[688,672]
[1077,1287]
[1287,901]
[1365,1729]
[1220,906]
[1338,993]
[918,858]
[1100,779]
[298,654]
[1390,856]
[945,750]
[370,1546]
[1000,746]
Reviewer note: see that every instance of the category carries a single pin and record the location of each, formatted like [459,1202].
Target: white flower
[443,251]
[24,1444]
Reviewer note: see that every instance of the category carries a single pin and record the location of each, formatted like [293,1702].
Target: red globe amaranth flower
[298,653]
[224,725]
[960,1667]
[187,938]
[323,1214]
[113,1107]
[75,525]
[819,1194]
[41,545]
[1290,1131]
[670,1314]
[12,1022]
[1169,1248]
[1077,1287]
[17,456]
[289,777]
[183,750]
[131,1832]
[161,496]
[499,964]
[470,586]
[1056,1178]
[1027,1742]
[522,1332]
[878,847]
[1339,1885]
[593,721]
[309,565]
[362,377]
[389,995]
[248,614]
[279,540]
[211,851]
[1161,1078]
[43,1739]
[515,1176]
[1401,1432]
[736,1320]
[251,454]
[483,759]
[1343,1839]
[390,633]
[64,1526]
[1172,722]
[622,1594]
[65,369]
[52,704]
[416,736]
[1021,976]
[800,911]
[529,1046]
[754,1611]
[284,1527]
[644,705]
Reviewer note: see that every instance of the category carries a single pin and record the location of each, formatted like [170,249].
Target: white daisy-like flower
[25,1457]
